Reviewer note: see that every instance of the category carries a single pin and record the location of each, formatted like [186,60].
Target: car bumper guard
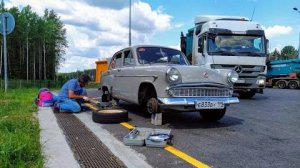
[191,100]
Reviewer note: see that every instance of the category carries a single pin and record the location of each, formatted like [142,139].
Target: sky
[96,29]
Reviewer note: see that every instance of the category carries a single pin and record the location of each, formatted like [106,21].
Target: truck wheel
[107,116]
[247,95]
[213,115]
[281,84]
[293,84]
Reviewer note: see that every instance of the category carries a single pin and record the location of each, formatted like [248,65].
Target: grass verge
[19,130]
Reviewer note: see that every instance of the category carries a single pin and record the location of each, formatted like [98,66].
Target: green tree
[54,40]
[288,52]
[274,55]
[36,46]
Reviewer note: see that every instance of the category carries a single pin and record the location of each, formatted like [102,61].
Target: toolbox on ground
[158,138]
[147,136]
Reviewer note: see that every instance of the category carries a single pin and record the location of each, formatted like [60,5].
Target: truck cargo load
[284,74]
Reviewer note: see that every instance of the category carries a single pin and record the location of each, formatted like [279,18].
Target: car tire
[108,116]
[213,115]
[293,84]
[247,95]
[281,84]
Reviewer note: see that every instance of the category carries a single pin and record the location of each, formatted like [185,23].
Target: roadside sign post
[5,52]
[7,25]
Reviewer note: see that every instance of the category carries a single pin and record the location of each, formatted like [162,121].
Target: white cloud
[178,25]
[175,46]
[147,20]
[277,30]
[96,29]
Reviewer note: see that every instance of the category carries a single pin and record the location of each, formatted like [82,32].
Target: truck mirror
[198,29]
[267,46]
[211,36]
[183,43]
[200,44]
[200,49]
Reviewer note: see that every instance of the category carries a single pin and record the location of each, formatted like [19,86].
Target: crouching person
[72,94]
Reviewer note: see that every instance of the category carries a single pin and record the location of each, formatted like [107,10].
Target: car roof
[137,46]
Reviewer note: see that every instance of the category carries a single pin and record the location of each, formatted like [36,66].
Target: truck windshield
[153,55]
[236,45]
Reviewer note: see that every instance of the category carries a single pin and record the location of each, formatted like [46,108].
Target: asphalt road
[261,132]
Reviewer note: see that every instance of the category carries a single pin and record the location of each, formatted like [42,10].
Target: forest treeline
[36,46]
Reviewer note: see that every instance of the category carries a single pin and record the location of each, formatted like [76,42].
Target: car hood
[195,74]
[192,74]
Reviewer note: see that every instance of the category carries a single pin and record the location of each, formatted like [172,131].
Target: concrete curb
[58,154]
[55,148]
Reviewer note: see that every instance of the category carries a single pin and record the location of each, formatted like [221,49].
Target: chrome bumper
[191,100]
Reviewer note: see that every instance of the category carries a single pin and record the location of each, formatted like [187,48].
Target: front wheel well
[146,89]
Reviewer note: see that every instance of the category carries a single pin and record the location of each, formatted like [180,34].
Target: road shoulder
[128,156]
[56,150]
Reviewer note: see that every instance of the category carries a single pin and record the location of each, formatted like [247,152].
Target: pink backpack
[44,98]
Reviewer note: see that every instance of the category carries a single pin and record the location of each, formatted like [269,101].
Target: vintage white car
[160,79]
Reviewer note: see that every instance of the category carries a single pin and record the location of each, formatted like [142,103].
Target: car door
[110,77]
[127,77]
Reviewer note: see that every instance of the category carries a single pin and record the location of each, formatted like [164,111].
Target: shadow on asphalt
[135,109]
[193,120]
[184,120]
[256,98]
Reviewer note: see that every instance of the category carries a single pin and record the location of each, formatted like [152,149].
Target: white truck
[229,42]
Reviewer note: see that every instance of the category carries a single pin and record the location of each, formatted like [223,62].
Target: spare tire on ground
[108,116]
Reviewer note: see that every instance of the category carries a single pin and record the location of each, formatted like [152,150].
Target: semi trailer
[284,74]
[229,42]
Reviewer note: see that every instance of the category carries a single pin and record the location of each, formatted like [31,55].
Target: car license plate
[209,105]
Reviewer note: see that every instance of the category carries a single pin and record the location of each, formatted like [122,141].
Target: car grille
[200,92]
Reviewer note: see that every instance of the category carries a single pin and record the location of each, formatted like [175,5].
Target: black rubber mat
[87,148]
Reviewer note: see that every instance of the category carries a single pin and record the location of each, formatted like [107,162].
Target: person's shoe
[55,108]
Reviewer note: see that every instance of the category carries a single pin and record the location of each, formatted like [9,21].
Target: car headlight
[173,75]
[232,76]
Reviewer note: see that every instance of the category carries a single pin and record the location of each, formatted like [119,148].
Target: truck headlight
[232,76]
[260,82]
[173,75]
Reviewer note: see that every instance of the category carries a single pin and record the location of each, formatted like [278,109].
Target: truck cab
[229,42]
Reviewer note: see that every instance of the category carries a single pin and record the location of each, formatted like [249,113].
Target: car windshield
[236,45]
[153,55]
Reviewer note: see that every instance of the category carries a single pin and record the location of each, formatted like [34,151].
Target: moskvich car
[160,79]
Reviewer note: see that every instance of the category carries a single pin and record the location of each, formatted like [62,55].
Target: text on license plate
[209,105]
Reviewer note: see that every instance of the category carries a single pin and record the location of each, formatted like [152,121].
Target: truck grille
[245,71]
[200,92]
